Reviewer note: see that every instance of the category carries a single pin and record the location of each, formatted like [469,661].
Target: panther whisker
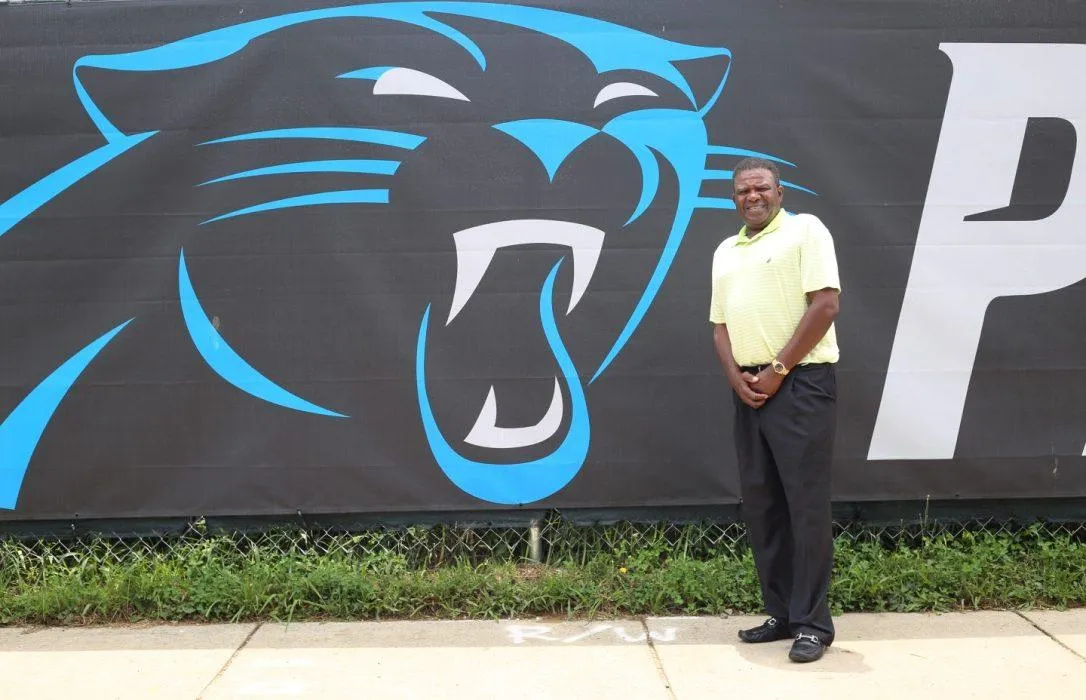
[794,186]
[717,175]
[364,167]
[709,175]
[713,203]
[374,196]
[380,137]
[733,151]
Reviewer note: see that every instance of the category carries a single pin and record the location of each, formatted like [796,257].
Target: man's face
[757,198]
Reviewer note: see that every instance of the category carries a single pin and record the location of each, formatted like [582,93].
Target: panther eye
[616,90]
[406,81]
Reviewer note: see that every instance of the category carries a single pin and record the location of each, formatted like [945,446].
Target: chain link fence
[549,540]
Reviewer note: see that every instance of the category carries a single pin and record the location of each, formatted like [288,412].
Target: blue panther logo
[651,135]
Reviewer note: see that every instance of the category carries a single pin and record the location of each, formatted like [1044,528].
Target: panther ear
[131,102]
[706,77]
[219,98]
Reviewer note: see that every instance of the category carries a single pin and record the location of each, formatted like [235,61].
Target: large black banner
[280,257]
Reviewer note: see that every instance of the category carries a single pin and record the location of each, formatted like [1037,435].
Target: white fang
[486,433]
[475,248]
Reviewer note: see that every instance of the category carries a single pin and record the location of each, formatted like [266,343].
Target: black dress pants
[785,450]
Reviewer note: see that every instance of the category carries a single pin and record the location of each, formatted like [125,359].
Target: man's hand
[743,383]
[768,382]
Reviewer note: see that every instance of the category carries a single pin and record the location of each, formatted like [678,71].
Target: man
[774,300]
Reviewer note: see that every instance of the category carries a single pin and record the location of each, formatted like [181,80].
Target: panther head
[615,112]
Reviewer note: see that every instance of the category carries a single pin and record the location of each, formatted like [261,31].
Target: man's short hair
[757,164]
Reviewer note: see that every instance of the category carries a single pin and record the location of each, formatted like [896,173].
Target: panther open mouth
[492,478]
[475,250]
[562,454]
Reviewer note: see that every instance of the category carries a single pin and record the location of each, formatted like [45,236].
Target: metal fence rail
[553,540]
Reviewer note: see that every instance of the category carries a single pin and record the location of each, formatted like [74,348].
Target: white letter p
[960,266]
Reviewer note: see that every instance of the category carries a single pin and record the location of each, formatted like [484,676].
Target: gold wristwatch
[779,367]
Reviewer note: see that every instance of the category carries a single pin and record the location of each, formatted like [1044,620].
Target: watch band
[779,367]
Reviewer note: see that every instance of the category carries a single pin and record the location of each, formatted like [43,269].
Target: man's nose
[551,140]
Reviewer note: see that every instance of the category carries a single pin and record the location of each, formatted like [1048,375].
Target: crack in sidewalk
[229,661]
[1051,636]
[656,659]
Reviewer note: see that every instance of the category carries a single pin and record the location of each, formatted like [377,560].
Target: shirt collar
[770,228]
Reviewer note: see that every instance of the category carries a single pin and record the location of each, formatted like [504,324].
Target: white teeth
[486,433]
[475,248]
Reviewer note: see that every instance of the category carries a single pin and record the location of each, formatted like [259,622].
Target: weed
[650,570]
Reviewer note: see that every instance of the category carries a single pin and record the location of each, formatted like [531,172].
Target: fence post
[535,541]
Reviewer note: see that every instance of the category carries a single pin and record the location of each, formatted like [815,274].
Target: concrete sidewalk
[962,655]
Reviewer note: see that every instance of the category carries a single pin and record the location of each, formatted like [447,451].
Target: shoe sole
[763,641]
[807,659]
[804,660]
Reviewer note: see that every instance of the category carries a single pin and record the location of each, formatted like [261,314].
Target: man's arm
[741,381]
[822,308]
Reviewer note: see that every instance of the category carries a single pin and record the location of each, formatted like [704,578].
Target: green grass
[222,578]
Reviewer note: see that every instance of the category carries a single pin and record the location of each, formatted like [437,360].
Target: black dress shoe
[806,648]
[772,630]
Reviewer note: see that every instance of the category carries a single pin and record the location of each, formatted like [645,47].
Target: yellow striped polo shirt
[760,287]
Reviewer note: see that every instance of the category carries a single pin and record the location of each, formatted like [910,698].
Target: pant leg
[765,511]
[799,424]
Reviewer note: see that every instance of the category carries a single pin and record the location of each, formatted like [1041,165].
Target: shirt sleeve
[818,261]
[716,301]
[716,305]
